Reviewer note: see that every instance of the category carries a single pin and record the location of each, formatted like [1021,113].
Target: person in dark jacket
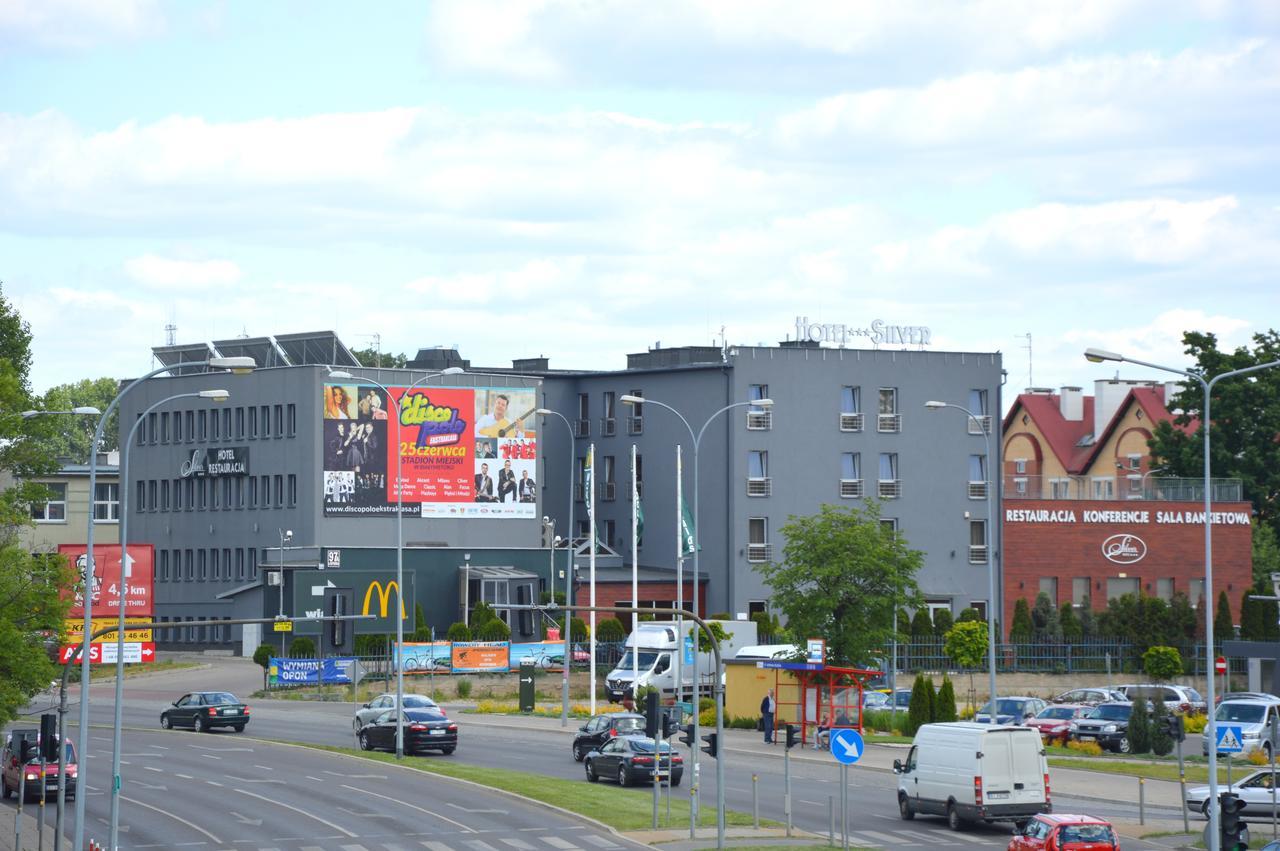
[768,707]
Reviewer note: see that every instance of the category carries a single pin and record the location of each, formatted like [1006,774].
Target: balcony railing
[851,422]
[890,488]
[608,426]
[1114,488]
[759,552]
[851,488]
[983,426]
[578,492]
[635,425]
[759,420]
[977,554]
[608,491]
[759,487]
[639,490]
[582,428]
[977,490]
[889,422]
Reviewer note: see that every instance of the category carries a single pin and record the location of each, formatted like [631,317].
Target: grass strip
[604,802]
[1196,774]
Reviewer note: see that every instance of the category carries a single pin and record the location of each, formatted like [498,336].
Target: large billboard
[463,452]
[107,588]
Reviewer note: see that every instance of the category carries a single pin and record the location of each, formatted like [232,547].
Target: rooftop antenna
[1030,380]
[171,334]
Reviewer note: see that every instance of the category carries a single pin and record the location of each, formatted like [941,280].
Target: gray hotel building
[258,505]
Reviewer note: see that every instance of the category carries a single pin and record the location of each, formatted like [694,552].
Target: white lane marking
[812,803]
[599,841]
[253,780]
[516,843]
[357,776]
[353,848]
[197,828]
[927,838]
[436,846]
[480,845]
[221,750]
[882,838]
[184,776]
[965,837]
[557,842]
[317,779]
[153,768]
[210,756]
[300,812]
[469,810]
[458,824]
[269,768]
[392,847]
[213,783]
[309,847]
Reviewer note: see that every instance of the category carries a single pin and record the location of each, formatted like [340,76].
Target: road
[544,750]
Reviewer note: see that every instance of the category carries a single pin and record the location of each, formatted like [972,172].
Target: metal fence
[1094,655]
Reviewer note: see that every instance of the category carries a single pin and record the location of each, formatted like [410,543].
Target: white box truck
[652,648]
[974,772]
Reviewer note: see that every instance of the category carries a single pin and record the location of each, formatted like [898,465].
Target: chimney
[1071,403]
[1107,396]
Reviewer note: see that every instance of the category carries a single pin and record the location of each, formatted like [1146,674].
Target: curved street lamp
[400,612]
[1099,356]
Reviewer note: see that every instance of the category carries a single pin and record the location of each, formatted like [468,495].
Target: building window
[582,428]
[279,491]
[162,566]
[977,477]
[1104,487]
[1020,486]
[216,563]
[265,417]
[580,486]
[253,422]
[1060,488]
[164,495]
[1135,462]
[1118,586]
[239,424]
[226,423]
[293,490]
[1020,465]
[758,481]
[265,491]
[889,420]
[635,423]
[253,563]
[1195,592]
[191,426]
[202,561]
[202,493]
[889,524]
[253,491]
[202,427]
[106,502]
[851,409]
[609,422]
[1049,585]
[55,510]
[610,534]
[215,496]
[291,411]
[189,560]
[978,407]
[637,476]
[177,426]
[164,426]
[890,486]
[279,414]
[152,431]
[977,542]
[758,418]
[608,484]
[239,562]
[226,493]
[851,475]
[152,502]
[140,502]
[758,547]
[1164,589]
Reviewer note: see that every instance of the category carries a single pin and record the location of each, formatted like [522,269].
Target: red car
[1063,832]
[1054,721]
[13,769]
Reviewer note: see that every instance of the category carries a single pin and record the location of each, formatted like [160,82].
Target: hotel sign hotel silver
[880,333]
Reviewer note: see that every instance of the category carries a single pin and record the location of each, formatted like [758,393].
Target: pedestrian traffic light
[712,746]
[669,726]
[686,736]
[651,715]
[793,735]
[49,737]
[1232,833]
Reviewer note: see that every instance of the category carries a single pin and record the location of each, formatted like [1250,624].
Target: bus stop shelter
[808,692]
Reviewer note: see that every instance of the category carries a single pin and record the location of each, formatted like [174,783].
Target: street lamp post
[991,552]
[237,365]
[400,613]
[569,565]
[126,573]
[1099,356]
[697,534]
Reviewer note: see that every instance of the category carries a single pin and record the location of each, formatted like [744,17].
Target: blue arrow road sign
[846,746]
[1230,738]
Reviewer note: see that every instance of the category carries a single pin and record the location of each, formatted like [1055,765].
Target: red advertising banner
[107,585]
[104,652]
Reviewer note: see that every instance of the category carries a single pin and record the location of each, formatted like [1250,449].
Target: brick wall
[611,593]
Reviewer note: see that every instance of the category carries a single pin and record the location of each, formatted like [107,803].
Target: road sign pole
[844,807]
[786,783]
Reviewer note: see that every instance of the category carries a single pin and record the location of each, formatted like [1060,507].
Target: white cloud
[163,272]
[76,24]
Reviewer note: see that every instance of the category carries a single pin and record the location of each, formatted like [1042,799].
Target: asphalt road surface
[246,764]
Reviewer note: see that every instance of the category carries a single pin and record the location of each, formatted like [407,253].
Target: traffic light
[686,736]
[49,737]
[651,715]
[793,735]
[1177,727]
[712,746]
[1232,833]
[669,726]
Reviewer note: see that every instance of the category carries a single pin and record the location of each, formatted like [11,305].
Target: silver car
[1253,717]
[380,704]
[1254,789]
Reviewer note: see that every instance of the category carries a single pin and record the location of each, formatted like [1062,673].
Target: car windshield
[646,745]
[1007,707]
[1247,713]
[423,715]
[1086,833]
[1118,712]
[624,725]
[645,662]
[71,753]
[1194,695]
[1057,712]
[417,701]
[217,698]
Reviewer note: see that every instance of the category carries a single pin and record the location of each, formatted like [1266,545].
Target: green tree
[904,626]
[302,647]
[1245,421]
[578,630]
[1022,629]
[1223,628]
[841,574]
[75,437]
[610,629]
[421,631]
[1252,625]
[1183,623]
[371,357]
[494,630]
[969,614]
[921,625]
[481,614]
[1088,620]
[945,704]
[942,621]
[920,710]
[966,644]
[1266,554]
[1162,663]
[262,656]
[1161,741]
[1139,728]
[459,631]
[1045,624]
[1072,629]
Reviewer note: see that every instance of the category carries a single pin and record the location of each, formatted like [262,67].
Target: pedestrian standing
[768,707]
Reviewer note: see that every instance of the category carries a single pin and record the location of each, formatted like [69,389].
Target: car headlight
[1073,727]
[1251,735]
[1110,728]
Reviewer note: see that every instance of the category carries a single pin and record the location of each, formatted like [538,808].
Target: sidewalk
[30,842]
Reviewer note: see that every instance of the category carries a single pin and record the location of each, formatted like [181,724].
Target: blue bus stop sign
[846,745]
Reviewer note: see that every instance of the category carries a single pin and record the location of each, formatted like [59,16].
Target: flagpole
[591,563]
[693,697]
[635,568]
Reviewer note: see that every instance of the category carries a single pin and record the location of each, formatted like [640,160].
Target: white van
[974,772]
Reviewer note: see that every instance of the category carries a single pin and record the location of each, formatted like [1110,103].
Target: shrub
[1022,629]
[1162,663]
[742,722]
[945,703]
[494,630]
[1139,728]
[1161,741]
[1195,723]
[719,616]
[610,629]
[464,688]
[942,621]
[1090,748]
[459,631]
[705,703]
[481,614]
[920,711]
[1258,757]
[302,648]
[578,630]
[262,656]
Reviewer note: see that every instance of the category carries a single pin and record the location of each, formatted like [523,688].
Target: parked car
[1054,721]
[630,759]
[384,702]
[901,698]
[1177,698]
[973,772]
[12,769]
[1010,710]
[424,730]
[1090,696]
[1254,790]
[1107,725]
[1064,832]
[204,710]
[1253,717]
[874,700]
[1245,695]
[600,729]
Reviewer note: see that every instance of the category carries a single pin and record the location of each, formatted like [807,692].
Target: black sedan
[594,734]
[204,710]
[424,730]
[629,759]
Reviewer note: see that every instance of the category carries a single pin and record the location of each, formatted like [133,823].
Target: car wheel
[624,779]
[356,725]
[592,777]
[198,724]
[578,753]
[448,750]
[165,723]
[364,742]
[953,818]
[1123,745]
[905,809]
[239,728]
[675,782]
[1204,808]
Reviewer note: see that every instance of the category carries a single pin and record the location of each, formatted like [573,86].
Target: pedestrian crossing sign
[1230,738]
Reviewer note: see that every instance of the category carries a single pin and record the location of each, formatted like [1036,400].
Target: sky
[582,180]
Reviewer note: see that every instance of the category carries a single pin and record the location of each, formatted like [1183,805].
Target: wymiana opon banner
[463,452]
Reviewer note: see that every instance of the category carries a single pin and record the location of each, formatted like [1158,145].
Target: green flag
[686,529]
[639,522]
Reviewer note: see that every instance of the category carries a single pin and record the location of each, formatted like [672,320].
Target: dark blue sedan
[630,759]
